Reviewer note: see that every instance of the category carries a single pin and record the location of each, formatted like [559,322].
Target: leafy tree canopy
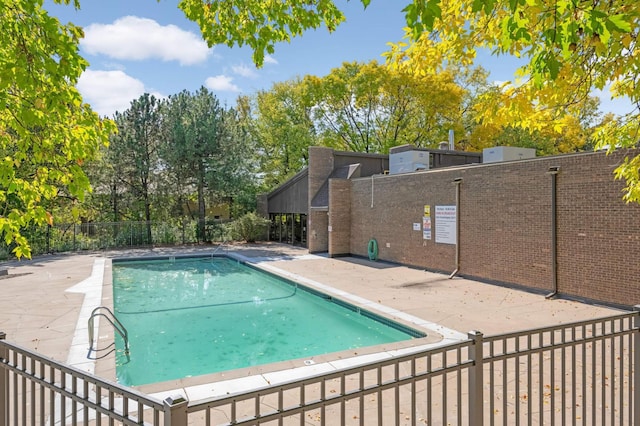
[571,48]
[280,122]
[371,108]
[260,23]
[46,132]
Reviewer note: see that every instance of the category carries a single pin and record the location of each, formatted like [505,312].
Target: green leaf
[488,6]
[620,23]
[553,65]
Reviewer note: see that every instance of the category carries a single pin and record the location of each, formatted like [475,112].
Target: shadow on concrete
[369,263]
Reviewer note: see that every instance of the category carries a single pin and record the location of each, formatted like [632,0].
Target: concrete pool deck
[42,301]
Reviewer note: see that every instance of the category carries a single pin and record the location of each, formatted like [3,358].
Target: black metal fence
[109,235]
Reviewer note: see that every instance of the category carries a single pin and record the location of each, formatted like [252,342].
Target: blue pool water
[195,316]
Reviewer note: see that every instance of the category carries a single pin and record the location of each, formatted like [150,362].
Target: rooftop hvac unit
[506,153]
[408,161]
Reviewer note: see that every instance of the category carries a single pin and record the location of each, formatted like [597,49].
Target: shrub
[249,227]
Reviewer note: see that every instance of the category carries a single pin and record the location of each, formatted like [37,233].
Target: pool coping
[211,386]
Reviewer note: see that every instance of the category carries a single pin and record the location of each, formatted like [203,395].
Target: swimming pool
[192,316]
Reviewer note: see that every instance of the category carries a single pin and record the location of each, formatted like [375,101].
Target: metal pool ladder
[103,311]
[220,246]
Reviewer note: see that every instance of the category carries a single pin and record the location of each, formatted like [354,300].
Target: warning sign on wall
[426,223]
[446,224]
[426,228]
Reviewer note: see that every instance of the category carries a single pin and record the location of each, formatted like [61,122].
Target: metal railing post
[175,411]
[4,385]
[476,396]
[636,367]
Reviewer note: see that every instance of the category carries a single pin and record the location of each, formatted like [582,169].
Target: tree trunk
[147,213]
[201,205]
[114,193]
[147,210]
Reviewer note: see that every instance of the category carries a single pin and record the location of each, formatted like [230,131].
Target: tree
[371,108]
[204,148]
[111,198]
[569,132]
[281,124]
[572,47]
[135,148]
[46,132]
[237,178]
[257,23]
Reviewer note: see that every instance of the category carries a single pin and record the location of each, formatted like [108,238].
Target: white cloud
[109,91]
[244,71]
[134,38]
[268,59]
[221,83]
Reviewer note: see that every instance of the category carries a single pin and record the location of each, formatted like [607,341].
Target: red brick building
[550,224]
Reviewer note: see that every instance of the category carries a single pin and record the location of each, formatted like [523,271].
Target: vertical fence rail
[38,390]
[422,388]
[4,384]
[636,367]
[583,373]
[476,380]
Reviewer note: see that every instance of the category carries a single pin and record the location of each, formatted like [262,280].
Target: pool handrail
[222,244]
[117,326]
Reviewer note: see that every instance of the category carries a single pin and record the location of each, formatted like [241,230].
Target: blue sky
[142,46]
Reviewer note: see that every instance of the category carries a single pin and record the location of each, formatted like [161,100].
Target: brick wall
[598,233]
[386,207]
[321,165]
[317,224]
[505,224]
[339,217]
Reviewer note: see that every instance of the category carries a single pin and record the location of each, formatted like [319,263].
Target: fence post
[4,385]
[175,410]
[476,396]
[636,367]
